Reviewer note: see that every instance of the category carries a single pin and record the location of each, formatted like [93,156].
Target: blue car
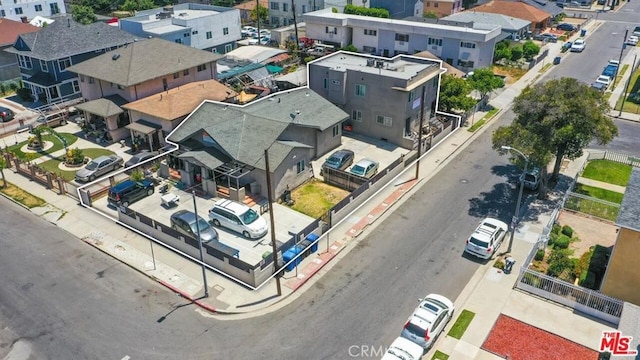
[610,70]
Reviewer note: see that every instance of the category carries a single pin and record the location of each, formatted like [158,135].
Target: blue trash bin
[313,237]
[583,32]
[290,254]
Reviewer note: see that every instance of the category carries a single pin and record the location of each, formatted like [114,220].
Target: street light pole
[516,215]
[204,270]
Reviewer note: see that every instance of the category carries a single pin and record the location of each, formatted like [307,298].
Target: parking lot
[287,221]
[364,147]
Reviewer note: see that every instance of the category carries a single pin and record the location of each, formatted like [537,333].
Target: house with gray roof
[223,145]
[45,56]
[133,72]
[509,25]
[622,274]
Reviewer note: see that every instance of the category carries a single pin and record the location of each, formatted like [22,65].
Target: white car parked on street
[487,238]
[632,40]
[604,79]
[403,349]
[428,320]
[578,45]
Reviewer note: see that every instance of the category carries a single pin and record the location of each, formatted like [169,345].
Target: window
[436,4]
[81,78]
[228,48]
[2,13]
[176,75]
[468,45]
[38,8]
[356,115]
[300,166]
[202,67]
[209,35]
[284,7]
[63,64]
[43,66]
[369,49]
[402,37]
[54,8]
[185,72]
[225,31]
[186,35]
[76,86]
[428,4]
[330,30]
[194,32]
[275,6]
[361,90]
[411,95]
[275,21]
[325,83]
[214,50]
[25,62]
[370,32]
[336,130]
[91,80]
[18,11]
[437,42]
[383,120]
[463,63]
[179,41]
[164,84]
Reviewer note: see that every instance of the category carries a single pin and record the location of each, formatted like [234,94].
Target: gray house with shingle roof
[223,145]
[133,72]
[45,56]
[509,25]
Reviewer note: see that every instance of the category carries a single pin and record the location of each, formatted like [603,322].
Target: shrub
[589,280]
[553,237]
[567,230]
[562,242]
[556,229]
[559,262]
[516,53]
[539,255]
[75,156]
[24,94]
[137,175]
[499,264]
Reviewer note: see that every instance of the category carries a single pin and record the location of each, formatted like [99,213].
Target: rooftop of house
[506,22]
[65,37]
[181,101]
[629,213]
[187,11]
[515,9]
[402,67]
[10,29]
[250,5]
[451,70]
[142,61]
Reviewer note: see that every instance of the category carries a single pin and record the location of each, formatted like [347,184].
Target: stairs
[250,199]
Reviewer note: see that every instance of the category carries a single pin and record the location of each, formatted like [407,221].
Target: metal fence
[592,206]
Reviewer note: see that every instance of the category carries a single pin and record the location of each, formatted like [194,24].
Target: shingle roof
[180,101]
[142,61]
[629,213]
[515,9]
[105,107]
[244,132]
[65,37]
[508,23]
[9,30]
[544,5]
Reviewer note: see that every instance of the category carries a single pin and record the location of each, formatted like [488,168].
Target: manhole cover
[464,181]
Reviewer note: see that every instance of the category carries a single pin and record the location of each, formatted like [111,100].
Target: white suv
[403,349]
[238,217]
[428,320]
[487,238]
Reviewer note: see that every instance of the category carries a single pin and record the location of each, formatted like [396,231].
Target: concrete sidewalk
[601,184]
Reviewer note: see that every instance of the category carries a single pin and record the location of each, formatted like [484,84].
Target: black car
[566,27]
[129,191]
[6,114]
[137,159]
[339,160]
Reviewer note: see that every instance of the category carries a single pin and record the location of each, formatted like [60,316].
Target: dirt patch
[590,232]
[512,73]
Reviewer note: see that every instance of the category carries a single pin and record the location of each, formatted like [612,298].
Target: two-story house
[204,27]
[511,27]
[133,72]
[400,9]
[28,9]
[223,145]
[538,18]
[466,48]
[246,8]
[383,96]
[45,56]
[9,32]
[281,12]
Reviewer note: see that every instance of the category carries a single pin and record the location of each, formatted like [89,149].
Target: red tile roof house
[539,19]
[9,32]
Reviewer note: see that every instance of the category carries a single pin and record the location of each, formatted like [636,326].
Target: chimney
[24,19]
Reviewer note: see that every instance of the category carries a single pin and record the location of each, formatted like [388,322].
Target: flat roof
[165,29]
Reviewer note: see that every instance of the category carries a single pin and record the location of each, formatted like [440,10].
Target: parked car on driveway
[428,320]
[604,79]
[184,221]
[566,27]
[578,45]
[403,349]
[239,218]
[128,192]
[6,114]
[98,167]
[137,159]
[52,120]
[365,168]
[487,238]
[339,160]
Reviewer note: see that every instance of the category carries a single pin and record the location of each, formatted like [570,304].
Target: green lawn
[52,165]
[439,355]
[490,114]
[57,145]
[461,324]
[599,193]
[315,198]
[634,87]
[608,171]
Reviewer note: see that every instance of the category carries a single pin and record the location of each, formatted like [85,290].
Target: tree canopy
[557,118]
[83,14]
[454,94]
[485,81]
[262,12]
[137,5]
[365,11]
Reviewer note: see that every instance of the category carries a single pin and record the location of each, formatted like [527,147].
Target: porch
[104,119]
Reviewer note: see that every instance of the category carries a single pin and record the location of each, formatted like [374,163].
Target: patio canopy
[201,158]
[143,127]
[105,107]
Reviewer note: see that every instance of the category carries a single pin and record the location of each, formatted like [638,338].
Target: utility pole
[295,24]
[624,44]
[204,270]
[258,18]
[274,248]
[420,131]
[626,87]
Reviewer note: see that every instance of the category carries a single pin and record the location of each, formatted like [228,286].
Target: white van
[238,217]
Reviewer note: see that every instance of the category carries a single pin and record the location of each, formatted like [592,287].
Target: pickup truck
[610,70]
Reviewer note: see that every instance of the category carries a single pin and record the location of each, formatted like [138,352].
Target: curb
[181,293]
